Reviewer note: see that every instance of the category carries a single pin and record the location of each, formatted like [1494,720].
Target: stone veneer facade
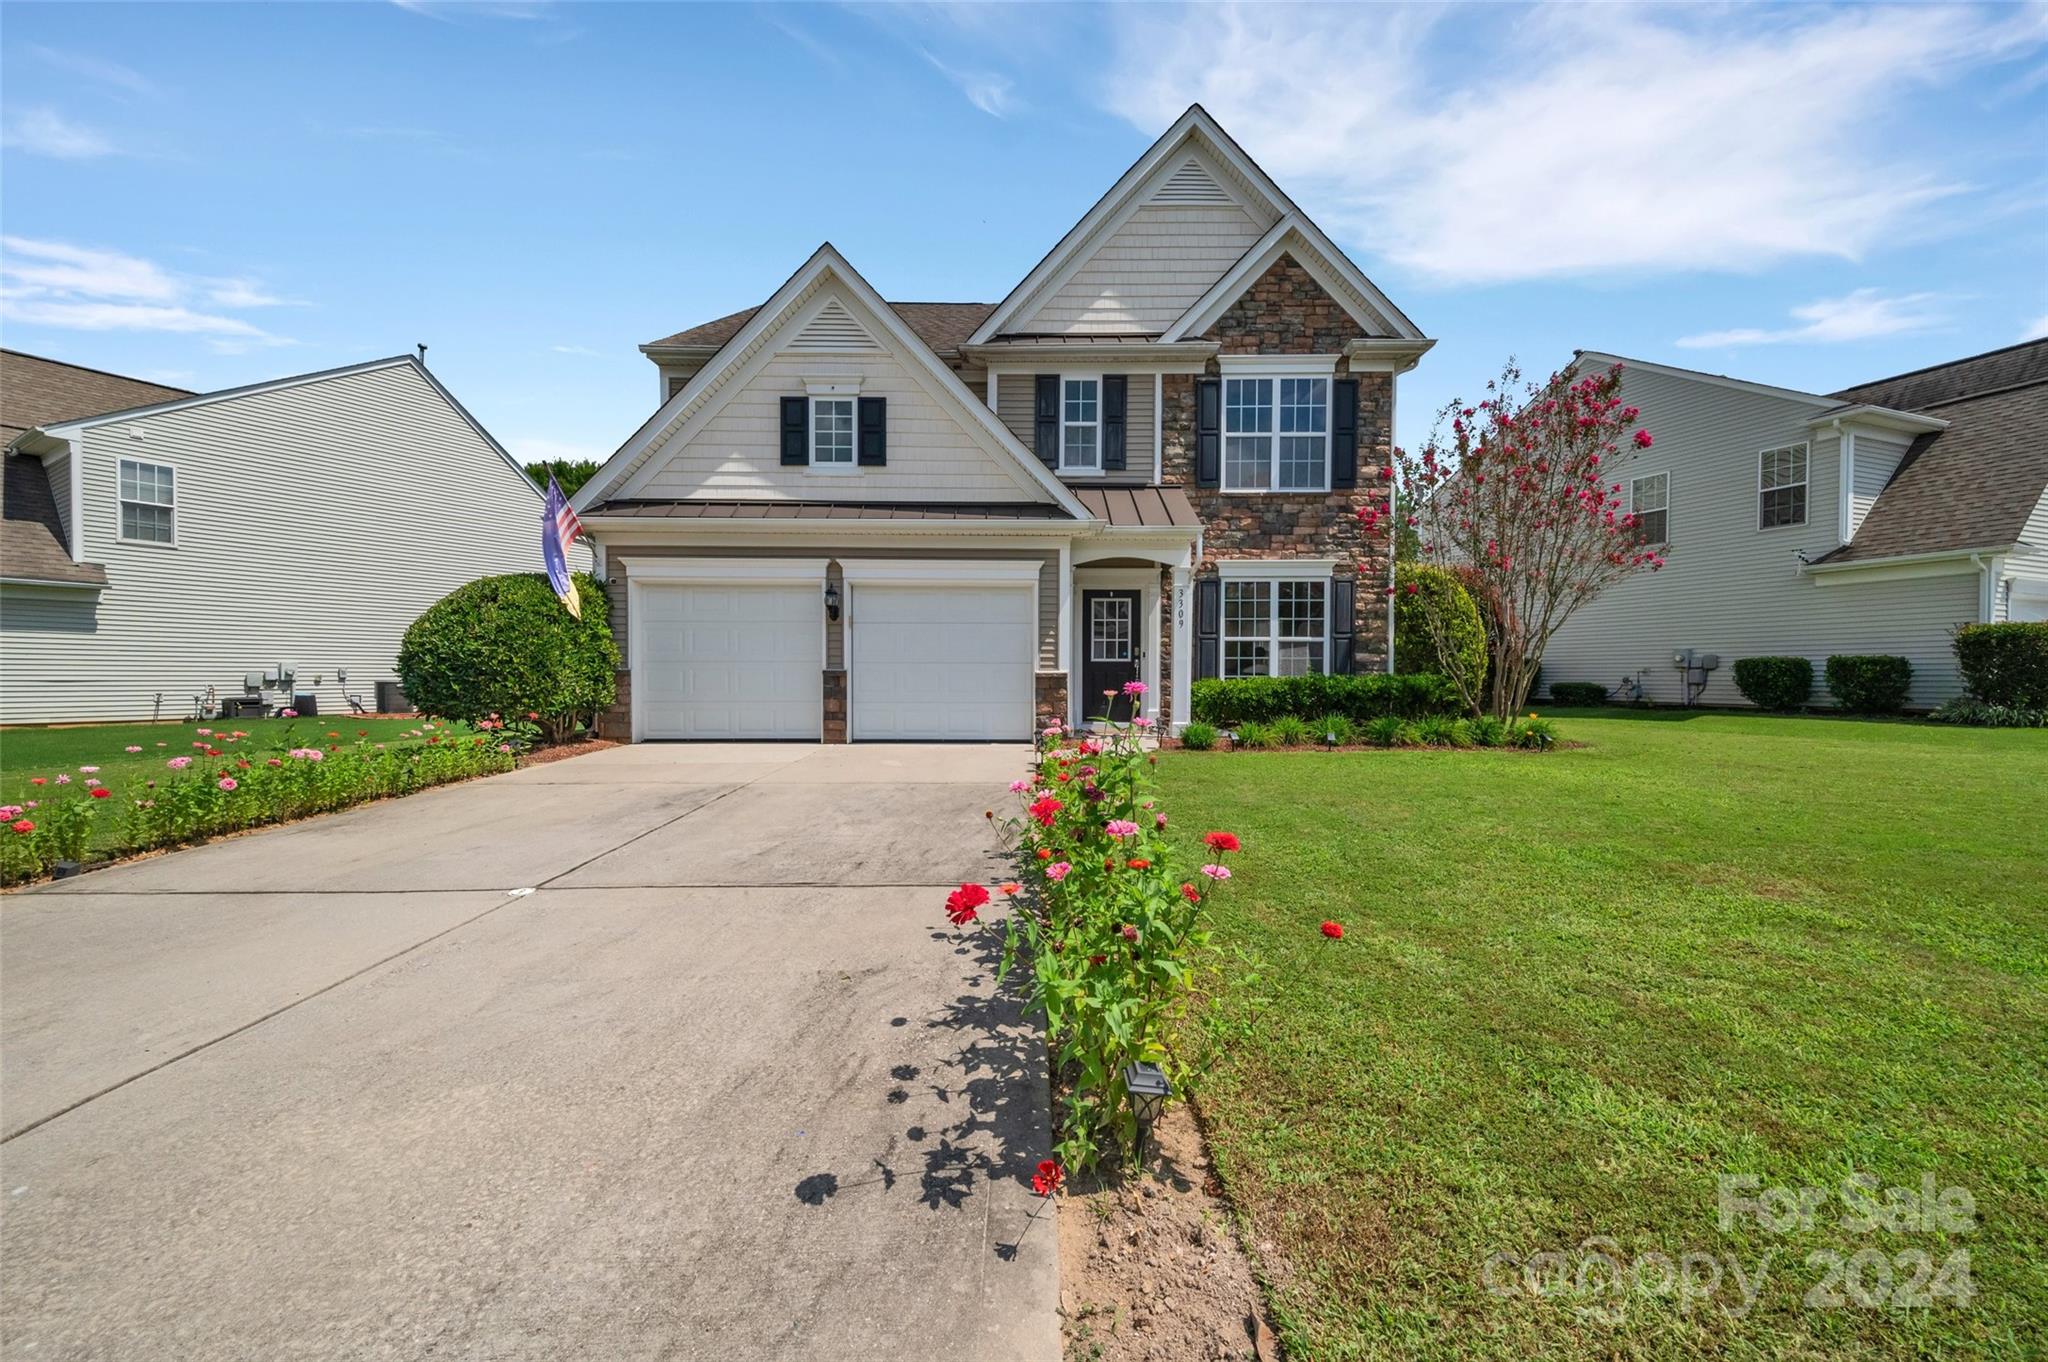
[1288,313]
[1050,689]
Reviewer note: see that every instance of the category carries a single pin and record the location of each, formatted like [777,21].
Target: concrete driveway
[656,1053]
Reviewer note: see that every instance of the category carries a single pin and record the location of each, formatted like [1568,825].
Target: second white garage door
[941,662]
[720,660]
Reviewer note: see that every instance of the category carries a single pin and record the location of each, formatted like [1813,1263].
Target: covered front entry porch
[1129,604]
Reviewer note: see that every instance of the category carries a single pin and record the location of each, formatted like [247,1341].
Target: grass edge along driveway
[1577,988]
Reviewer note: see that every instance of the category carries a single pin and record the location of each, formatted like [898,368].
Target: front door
[1111,635]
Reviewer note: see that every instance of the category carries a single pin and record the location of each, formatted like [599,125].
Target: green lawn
[29,752]
[1576,987]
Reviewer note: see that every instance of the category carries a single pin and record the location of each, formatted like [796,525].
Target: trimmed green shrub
[2005,664]
[1869,683]
[1487,731]
[1336,728]
[1968,709]
[1255,735]
[1198,737]
[1292,731]
[1775,682]
[1262,699]
[505,646]
[1436,625]
[1578,693]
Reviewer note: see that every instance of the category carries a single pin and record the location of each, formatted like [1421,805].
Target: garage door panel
[730,661]
[947,663]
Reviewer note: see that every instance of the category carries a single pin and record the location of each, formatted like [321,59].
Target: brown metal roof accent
[40,392]
[2012,367]
[836,510]
[942,326]
[1141,507]
[32,544]
[1970,486]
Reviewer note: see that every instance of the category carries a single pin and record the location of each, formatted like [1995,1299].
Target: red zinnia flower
[1190,893]
[1130,932]
[1333,930]
[1138,863]
[22,826]
[1048,1178]
[101,792]
[1222,841]
[1045,853]
[1097,959]
[1045,809]
[1009,886]
[961,903]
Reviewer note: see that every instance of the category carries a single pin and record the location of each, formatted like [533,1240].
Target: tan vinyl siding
[1732,589]
[737,452]
[314,524]
[1148,272]
[1876,457]
[1015,399]
[835,653]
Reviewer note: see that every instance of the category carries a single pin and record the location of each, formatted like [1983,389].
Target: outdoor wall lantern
[831,601]
[1149,1090]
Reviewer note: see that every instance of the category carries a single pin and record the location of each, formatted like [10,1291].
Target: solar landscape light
[1149,1090]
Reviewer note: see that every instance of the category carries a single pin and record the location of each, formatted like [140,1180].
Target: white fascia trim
[625,529]
[45,584]
[1937,564]
[1376,355]
[1276,569]
[940,572]
[1605,360]
[1311,366]
[724,569]
[1294,235]
[1881,418]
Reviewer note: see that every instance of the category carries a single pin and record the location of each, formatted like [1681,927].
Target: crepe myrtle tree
[1512,493]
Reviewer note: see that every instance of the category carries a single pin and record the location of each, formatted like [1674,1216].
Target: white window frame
[1272,638]
[1081,469]
[1274,376]
[1806,466]
[852,462]
[1665,508]
[120,536]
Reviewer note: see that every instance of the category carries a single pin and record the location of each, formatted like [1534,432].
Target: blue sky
[209,195]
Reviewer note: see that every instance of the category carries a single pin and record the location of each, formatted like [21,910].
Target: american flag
[559,528]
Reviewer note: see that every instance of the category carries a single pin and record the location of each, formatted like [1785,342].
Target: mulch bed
[1150,1263]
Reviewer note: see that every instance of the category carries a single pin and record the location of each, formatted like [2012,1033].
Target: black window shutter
[796,433]
[1208,433]
[874,432]
[1208,616]
[1113,393]
[1045,423]
[1344,433]
[1343,622]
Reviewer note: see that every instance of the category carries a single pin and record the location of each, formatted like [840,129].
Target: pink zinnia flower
[1216,872]
[1141,722]
[131,749]
[63,779]
[9,812]
[89,770]
[178,763]
[1058,870]
[1019,786]
[203,732]
[1120,827]
[227,782]
[1159,820]
[1134,688]
[287,714]
[92,780]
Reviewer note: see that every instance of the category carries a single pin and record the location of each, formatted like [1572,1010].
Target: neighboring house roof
[942,326]
[829,510]
[35,391]
[2011,367]
[1973,485]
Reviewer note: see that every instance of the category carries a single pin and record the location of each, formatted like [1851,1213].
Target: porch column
[1180,611]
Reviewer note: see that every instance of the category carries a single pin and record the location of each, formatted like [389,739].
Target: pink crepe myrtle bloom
[1216,872]
[178,763]
[1120,827]
[1058,870]
[227,782]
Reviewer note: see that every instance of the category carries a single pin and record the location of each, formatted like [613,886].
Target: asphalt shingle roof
[942,326]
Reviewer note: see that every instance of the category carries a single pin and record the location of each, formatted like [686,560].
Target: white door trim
[1145,581]
[724,570]
[942,571]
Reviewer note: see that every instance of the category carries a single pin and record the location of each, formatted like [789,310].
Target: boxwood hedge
[2005,664]
[504,645]
[1775,682]
[1361,698]
[1869,683]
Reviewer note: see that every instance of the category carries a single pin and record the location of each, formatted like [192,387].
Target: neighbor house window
[148,503]
[1650,499]
[1080,425]
[1274,628]
[1781,483]
[832,432]
[1276,434]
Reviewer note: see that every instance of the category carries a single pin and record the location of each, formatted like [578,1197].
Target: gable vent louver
[1191,185]
[833,329]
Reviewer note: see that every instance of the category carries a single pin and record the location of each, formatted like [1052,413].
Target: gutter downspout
[1987,589]
[77,448]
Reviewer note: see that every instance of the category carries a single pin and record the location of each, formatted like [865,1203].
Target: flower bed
[226,783]
[1113,930]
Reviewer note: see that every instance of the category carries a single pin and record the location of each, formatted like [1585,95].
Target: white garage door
[941,662]
[721,660]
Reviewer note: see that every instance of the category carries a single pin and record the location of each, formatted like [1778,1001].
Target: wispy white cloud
[87,288]
[1577,140]
[573,350]
[989,91]
[45,132]
[807,40]
[111,74]
[1862,315]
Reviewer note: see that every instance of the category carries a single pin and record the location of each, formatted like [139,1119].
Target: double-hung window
[1781,487]
[1650,498]
[1080,425]
[149,503]
[1274,628]
[1276,434]
[832,432]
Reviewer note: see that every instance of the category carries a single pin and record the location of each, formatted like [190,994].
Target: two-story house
[857,520]
[1871,520]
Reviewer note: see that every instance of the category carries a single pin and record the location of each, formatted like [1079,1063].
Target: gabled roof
[614,479]
[35,391]
[942,326]
[1994,370]
[32,543]
[1197,126]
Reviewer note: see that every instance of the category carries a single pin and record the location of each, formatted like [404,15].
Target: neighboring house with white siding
[1871,520]
[157,545]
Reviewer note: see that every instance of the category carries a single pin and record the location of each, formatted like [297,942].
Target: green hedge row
[1775,682]
[1373,695]
[2005,664]
[1869,683]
